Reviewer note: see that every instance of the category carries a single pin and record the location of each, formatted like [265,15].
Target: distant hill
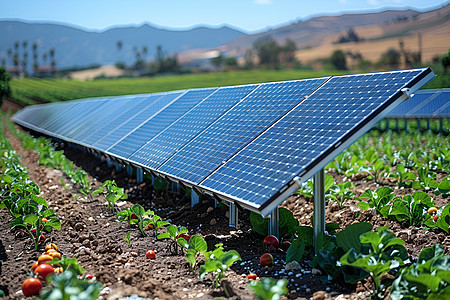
[76,47]
[325,30]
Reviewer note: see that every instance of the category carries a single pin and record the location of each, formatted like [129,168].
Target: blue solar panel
[424,104]
[136,117]
[168,141]
[435,106]
[236,128]
[145,132]
[137,103]
[308,132]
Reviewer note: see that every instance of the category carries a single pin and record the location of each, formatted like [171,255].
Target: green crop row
[20,196]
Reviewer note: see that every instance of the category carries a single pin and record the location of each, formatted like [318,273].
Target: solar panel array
[248,144]
[425,104]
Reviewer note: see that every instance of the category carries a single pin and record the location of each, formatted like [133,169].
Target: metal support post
[139,175]
[428,125]
[130,170]
[418,125]
[118,167]
[319,206]
[194,198]
[441,126]
[175,187]
[406,125]
[109,163]
[233,219]
[274,223]
[396,125]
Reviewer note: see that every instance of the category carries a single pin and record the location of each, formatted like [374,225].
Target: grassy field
[31,91]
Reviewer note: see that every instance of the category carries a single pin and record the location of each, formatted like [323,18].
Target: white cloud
[262,2]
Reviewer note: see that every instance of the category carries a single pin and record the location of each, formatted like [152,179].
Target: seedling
[195,247]
[172,233]
[269,288]
[128,238]
[218,262]
[113,193]
[381,252]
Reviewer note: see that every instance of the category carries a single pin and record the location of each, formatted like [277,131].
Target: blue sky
[247,15]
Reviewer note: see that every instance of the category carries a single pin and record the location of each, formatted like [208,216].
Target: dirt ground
[93,235]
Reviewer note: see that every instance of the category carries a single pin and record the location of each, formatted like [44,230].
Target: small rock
[293,265]
[320,295]
[213,222]
[210,209]
[315,271]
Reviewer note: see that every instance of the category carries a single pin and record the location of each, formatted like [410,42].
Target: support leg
[234,214]
[274,223]
[130,170]
[194,198]
[139,175]
[319,206]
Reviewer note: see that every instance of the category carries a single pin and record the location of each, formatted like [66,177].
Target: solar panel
[146,131]
[136,117]
[236,128]
[253,145]
[305,136]
[424,104]
[170,140]
[137,103]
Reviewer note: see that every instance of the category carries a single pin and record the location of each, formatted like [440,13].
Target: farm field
[92,234]
[31,91]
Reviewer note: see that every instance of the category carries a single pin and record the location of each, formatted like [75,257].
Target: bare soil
[93,235]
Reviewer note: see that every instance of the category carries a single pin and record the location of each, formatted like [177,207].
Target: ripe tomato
[150,254]
[252,276]
[34,266]
[271,240]
[44,219]
[133,217]
[89,276]
[44,270]
[266,260]
[285,245]
[436,217]
[42,239]
[31,286]
[184,236]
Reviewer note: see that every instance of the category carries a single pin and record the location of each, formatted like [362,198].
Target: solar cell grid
[312,128]
[236,128]
[145,132]
[168,141]
[135,118]
[139,103]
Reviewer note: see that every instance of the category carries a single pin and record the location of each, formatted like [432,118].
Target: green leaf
[363,205]
[296,250]
[198,243]
[429,253]
[172,230]
[349,238]
[30,219]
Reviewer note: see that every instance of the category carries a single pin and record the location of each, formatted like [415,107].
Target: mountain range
[76,47]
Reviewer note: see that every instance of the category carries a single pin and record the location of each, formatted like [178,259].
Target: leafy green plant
[127,238]
[412,208]
[404,177]
[67,286]
[269,288]
[287,223]
[428,278]
[308,189]
[195,247]
[113,193]
[172,233]
[335,247]
[377,199]
[340,193]
[381,252]
[427,180]
[66,263]
[137,215]
[443,219]
[443,187]
[217,262]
